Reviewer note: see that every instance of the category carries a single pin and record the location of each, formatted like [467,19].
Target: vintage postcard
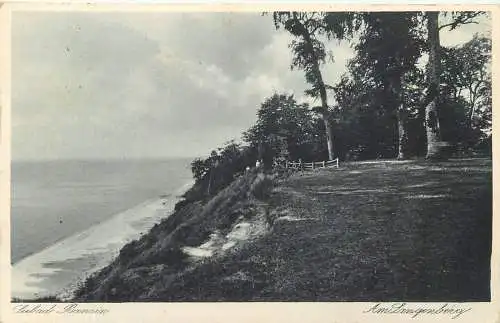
[281,163]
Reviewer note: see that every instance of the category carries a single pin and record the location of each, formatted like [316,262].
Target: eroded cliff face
[197,232]
[313,237]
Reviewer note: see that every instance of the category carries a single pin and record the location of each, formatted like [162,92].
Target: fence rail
[312,165]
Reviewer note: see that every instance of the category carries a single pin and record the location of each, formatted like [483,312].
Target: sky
[151,85]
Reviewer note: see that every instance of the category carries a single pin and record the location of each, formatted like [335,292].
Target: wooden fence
[313,165]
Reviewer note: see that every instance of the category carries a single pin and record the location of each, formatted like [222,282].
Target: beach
[57,270]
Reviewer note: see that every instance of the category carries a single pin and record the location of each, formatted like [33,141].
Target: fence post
[324,164]
[286,164]
[300,164]
[312,165]
[337,159]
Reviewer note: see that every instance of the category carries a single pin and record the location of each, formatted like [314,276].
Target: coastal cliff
[200,230]
[381,230]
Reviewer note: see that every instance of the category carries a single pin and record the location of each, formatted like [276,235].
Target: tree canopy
[381,104]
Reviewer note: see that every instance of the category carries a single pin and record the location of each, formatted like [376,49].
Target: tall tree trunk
[326,119]
[433,70]
[396,92]
[471,117]
[322,89]
[329,137]
[402,134]
[402,116]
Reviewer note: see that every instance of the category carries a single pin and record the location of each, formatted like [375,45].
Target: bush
[179,205]
[221,168]
[261,186]
[173,257]
[129,250]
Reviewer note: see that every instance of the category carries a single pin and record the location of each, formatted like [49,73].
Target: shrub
[173,257]
[179,205]
[129,250]
[218,170]
[261,186]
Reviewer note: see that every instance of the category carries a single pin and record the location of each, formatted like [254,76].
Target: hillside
[382,230]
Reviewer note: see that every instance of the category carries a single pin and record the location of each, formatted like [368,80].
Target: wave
[57,269]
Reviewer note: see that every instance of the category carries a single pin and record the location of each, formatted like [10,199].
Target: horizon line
[83,158]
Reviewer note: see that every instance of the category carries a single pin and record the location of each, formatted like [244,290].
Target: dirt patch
[218,244]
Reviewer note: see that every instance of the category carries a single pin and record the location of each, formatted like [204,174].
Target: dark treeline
[387,104]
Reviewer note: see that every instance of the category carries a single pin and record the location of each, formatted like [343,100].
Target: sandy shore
[58,269]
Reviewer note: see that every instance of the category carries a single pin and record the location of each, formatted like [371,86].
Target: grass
[369,231]
[384,231]
[148,264]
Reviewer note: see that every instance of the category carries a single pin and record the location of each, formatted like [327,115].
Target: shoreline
[56,271]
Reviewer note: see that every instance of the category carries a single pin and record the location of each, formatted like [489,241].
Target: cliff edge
[369,231]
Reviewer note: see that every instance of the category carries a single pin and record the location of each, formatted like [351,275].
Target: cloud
[101,85]
[68,72]
[88,85]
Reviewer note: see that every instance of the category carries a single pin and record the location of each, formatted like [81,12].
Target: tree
[389,47]
[219,169]
[434,96]
[365,128]
[309,52]
[433,71]
[467,75]
[414,89]
[284,128]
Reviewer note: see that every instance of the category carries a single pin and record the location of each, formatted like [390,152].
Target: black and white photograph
[251,156]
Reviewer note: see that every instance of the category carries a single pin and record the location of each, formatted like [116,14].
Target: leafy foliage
[459,18]
[383,80]
[380,82]
[308,53]
[308,50]
[467,77]
[222,166]
[286,129]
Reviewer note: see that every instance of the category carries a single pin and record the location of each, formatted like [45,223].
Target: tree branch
[454,25]
[462,19]
[312,32]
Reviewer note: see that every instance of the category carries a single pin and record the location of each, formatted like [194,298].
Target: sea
[70,218]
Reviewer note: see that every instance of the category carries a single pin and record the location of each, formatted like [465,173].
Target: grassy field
[372,231]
